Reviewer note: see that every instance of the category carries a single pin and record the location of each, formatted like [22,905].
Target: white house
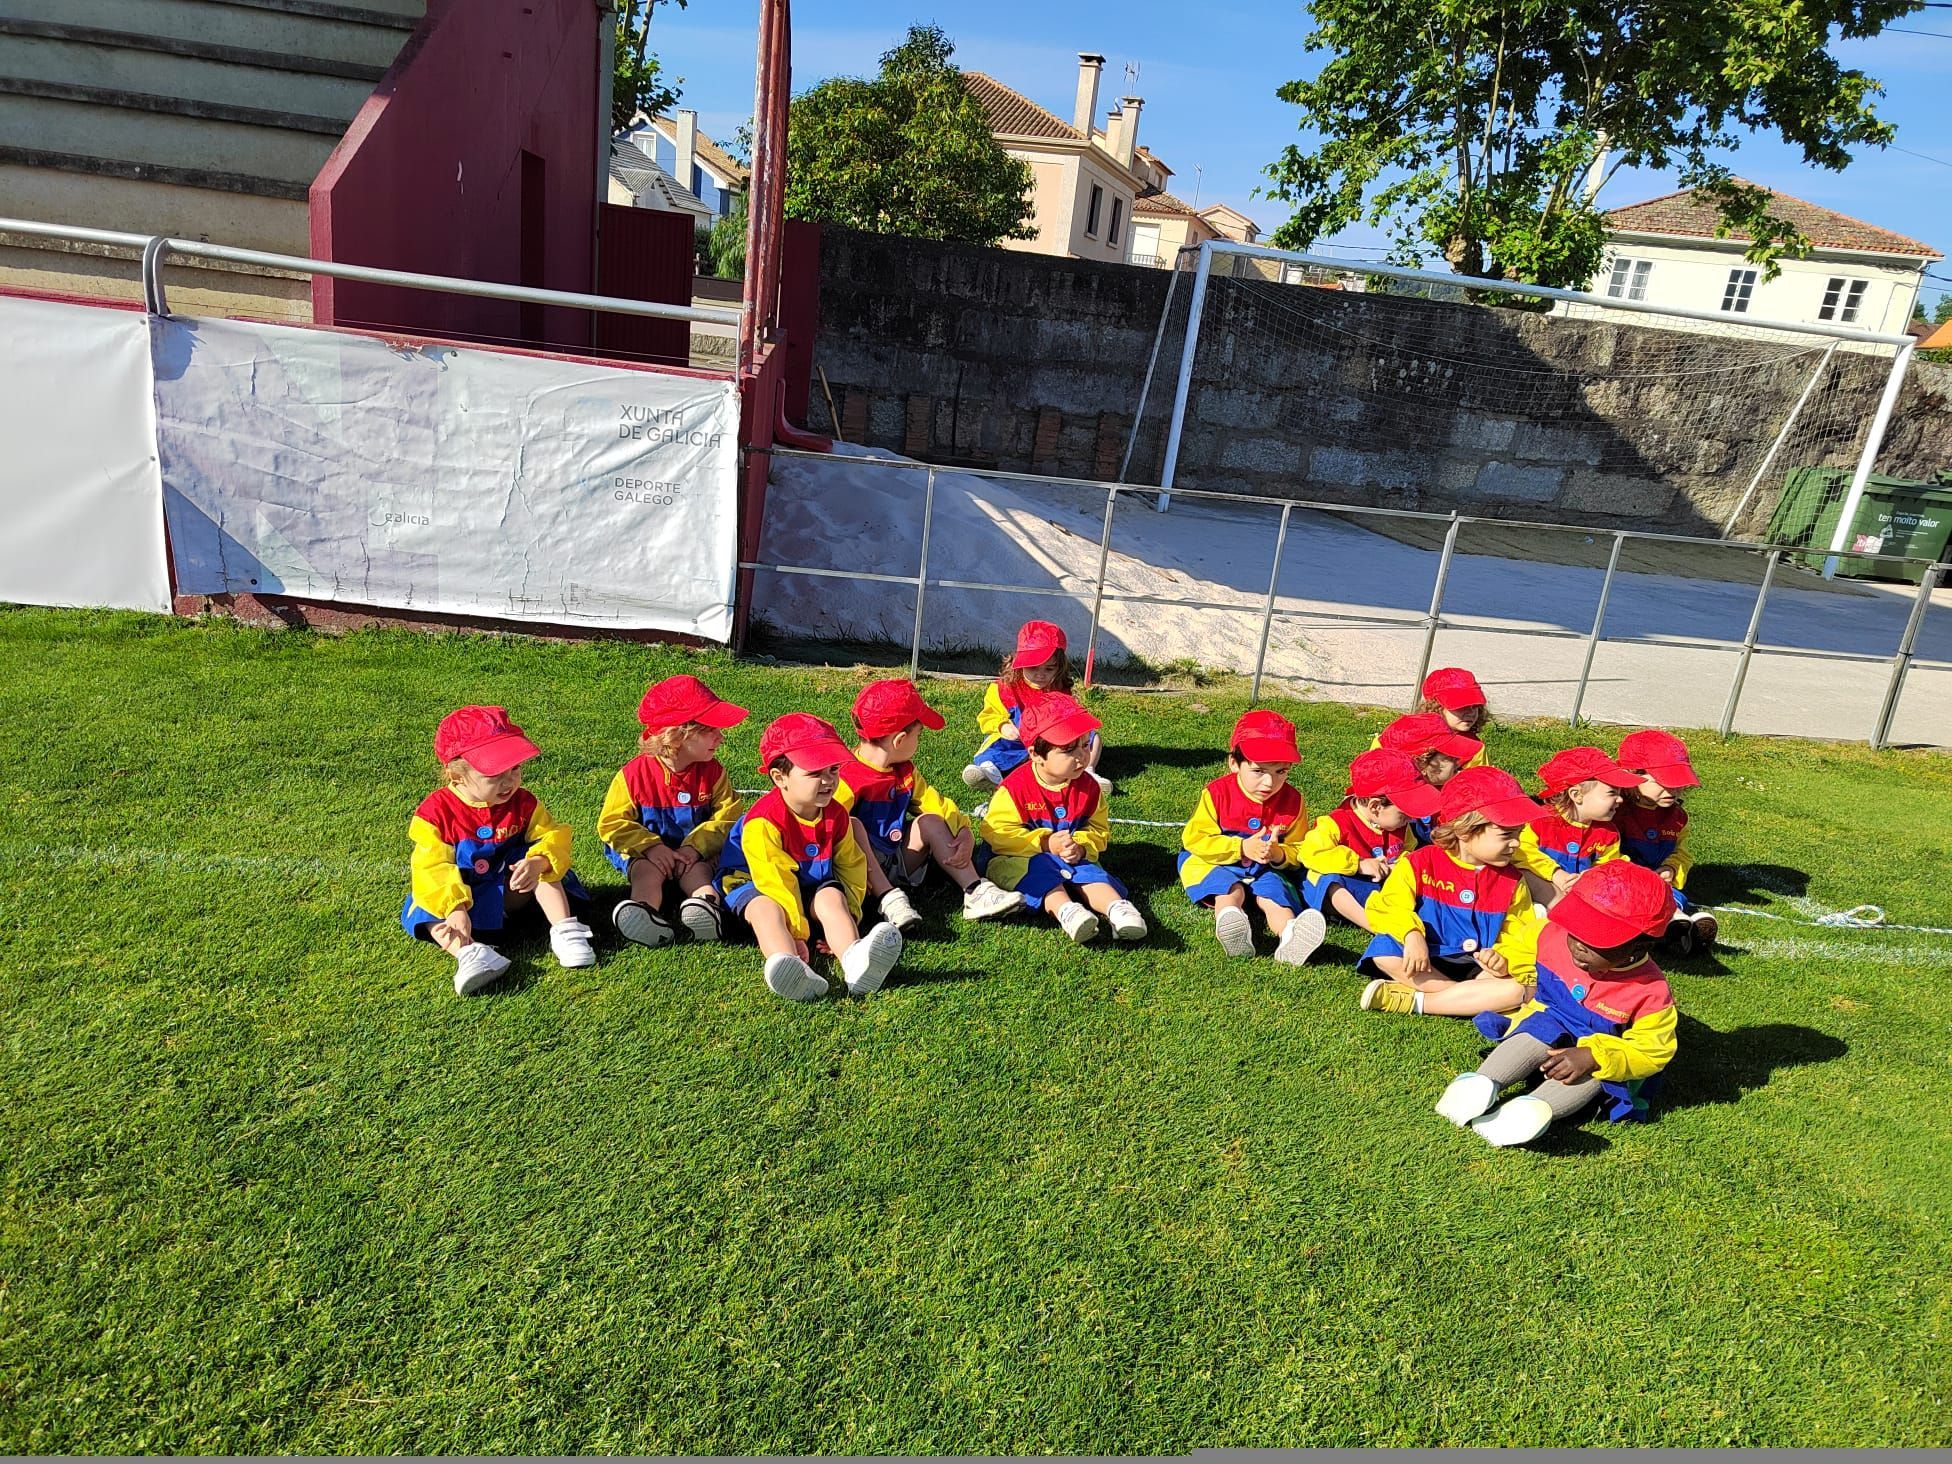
[698,165]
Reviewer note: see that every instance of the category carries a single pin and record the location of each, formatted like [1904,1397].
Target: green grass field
[267,1185]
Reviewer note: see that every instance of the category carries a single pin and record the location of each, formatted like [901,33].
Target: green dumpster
[1895,516]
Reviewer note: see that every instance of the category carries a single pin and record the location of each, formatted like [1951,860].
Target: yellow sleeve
[1482,758]
[1202,837]
[1639,1052]
[851,864]
[710,836]
[551,840]
[1323,852]
[1003,828]
[994,716]
[845,796]
[1531,857]
[437,884]
[1681,860]
[775,875]
[1610,852]
[1096,834]
[1392,910]
[1518,937]
[619,824]
[928,800]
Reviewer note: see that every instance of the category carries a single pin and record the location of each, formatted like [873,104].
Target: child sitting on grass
[793,858]
[668,811]
[1046,829]
[1601,1024]
[1582,789]
[1454,694]
[1039,667]
[1349,852]
[484,847]
[902,822]
[1654,827]
[1243,833]
[1438,751]
[1455,928]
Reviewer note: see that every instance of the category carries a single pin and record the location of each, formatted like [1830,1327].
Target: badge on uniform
[1058,812]
[684,798]
[813,851]
[481,866]
[1469,897]
[484,832]
[1579,992]
[1253,823]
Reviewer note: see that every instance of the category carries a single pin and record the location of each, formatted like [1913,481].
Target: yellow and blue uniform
[771,852]
[463,852]
[1210,857]
[1022,814]
[1554,843]
[649,804]
[1461,908]
[886,800]
[1657,839]
[1004,705]
[1332,853]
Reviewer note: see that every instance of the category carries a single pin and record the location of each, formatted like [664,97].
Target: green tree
[1482,130]
[727,244]
[905,153]
[640,84]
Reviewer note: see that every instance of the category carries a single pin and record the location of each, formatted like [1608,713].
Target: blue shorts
[1262,883]
[1457,968]
[745,892]
[1046,872]
[489,911]
[1317,888]
[1004,755]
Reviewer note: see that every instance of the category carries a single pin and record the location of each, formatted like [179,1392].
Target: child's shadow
[1123,760]
[1719,1067]
[1147,870]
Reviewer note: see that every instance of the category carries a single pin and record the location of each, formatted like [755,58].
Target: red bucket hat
[1453,687]
[1613,903]
[1660,755]
[1266,737]
[485,737]
[680,699]
[1037,642]
[804,740]
[1429,732]
[886,707]
[1384,773]
[1492,792]
[1577,765]
[1057,719]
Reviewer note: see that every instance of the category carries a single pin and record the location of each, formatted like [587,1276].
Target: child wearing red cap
[1045,830]
[484,847]
[1455,927]
[1348,853]
[1037,668]
[1654,826]
[1582,788]
[1244,831]
[1439,751]
[1453,693]
[900,819]
[1601,1023]
[669,810]
[793,859]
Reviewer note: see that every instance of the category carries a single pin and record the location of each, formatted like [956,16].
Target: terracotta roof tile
[1012,114]
[1164,205]
[1692,214]
[1940,337]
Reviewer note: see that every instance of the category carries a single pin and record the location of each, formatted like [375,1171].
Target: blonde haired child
[484,847]
[1654,826]
[1582,788]
[1040,666]
[668,811]
[1350,852]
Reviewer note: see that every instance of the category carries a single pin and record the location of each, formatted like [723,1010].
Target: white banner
[79,491]
[335,467]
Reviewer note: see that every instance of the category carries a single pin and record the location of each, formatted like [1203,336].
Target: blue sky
[1208,73]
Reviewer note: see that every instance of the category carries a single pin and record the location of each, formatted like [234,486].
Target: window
[1091,213]
[1629,279]
[1735,295]
[1842,298]
[1118,214]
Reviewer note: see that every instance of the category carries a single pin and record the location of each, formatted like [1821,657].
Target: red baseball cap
[1057,719]
[1037,642]
[1266,737]
[886,707]
[1576,765]
[1453,687]
[677,700]
[804,740]
[485,737]
[1384,773]
[1429,732]
[1492,792]
[1613,903]
[1660,755]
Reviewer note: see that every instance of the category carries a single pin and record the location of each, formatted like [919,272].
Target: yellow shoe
[1383,995]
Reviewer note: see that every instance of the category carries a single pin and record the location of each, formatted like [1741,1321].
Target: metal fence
[1441,614]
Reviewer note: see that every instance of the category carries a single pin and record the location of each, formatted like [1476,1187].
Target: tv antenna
[1131,77]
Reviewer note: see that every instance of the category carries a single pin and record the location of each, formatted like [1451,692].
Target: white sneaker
[898,910]
[1234,931]
[982,775]
[789,976]
[1469,1096]
[1078,922]
[986,901]
[477,966]
[1517,1122]
[570,940]
[703,917]
[868,961]
[1302,938]
[1104,783]
[1127,923]
[639,924]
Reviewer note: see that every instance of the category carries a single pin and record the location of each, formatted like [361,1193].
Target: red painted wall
[432,177]
[648,254]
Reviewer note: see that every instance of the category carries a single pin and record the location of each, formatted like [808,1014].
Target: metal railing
[1268,610]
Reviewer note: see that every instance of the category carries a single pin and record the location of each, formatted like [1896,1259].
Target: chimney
[1089,69]
[1128,129]
[687,147]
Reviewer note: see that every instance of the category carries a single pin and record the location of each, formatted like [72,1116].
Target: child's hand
[1010,733]
[1376,869]
[1561,880]
[683,857]
[1569,1064]
[800,950]
[528,874]
[1065,847]
[662,860]
[1416,956]
[461,924]
[1256,848]
[1668,875]
[1492,964]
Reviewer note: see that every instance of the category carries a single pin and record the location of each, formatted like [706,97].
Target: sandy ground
[1349,604]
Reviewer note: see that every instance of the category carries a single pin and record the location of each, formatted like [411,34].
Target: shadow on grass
[1124,760]
[1745,884]
[1719,1067]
